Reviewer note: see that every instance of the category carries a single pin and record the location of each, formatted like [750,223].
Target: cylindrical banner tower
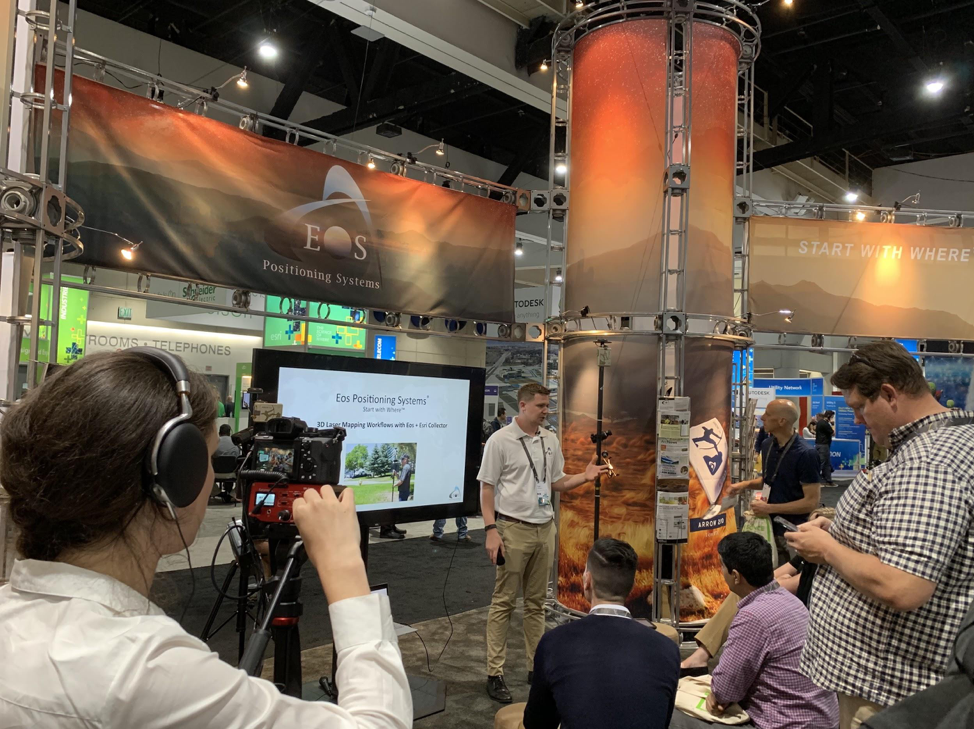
[649,262]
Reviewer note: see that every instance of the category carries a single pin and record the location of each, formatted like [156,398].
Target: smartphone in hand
[786,524]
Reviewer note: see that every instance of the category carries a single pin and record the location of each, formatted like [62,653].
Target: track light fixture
[128,252]
[242,79]
[860,215]
[519,249]
[558,277]
[544,65]
[371,163]
[441,149]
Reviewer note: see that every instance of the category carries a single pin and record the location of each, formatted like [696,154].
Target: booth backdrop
[628,500]
[214,203]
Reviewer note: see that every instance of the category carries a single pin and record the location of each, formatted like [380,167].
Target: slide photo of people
[380,472]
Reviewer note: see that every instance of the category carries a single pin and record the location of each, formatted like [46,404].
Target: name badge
[541,489]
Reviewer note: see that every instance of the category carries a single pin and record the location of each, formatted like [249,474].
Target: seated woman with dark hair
[83,645]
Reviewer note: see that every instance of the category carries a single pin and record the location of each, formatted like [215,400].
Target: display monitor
[412,448]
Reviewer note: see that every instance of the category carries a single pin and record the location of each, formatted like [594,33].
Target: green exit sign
[125,312]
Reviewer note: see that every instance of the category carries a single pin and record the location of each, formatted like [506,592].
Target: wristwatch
[488,527]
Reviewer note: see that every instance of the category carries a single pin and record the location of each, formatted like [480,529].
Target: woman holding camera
[99,464]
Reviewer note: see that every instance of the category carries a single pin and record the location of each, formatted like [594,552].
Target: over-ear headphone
[178,460]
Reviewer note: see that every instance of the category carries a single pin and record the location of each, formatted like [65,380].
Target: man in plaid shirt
[898,561]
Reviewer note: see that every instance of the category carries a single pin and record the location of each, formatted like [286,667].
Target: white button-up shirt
[80,649]
[505,467]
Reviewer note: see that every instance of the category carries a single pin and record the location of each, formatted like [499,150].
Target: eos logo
[333,239]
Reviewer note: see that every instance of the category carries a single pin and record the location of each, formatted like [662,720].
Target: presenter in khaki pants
[522,465]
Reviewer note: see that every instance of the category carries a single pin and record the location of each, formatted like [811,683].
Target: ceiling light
[561,168]
[242,80]
[558,277]
[441,150]
[579,4]
[544,65]
[789,3]
[860,216]
[851,197]
[267,49]
[371,163]
[786,312]
[519,249]
[935,86]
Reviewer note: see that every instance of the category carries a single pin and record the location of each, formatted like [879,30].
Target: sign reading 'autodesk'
[214,203]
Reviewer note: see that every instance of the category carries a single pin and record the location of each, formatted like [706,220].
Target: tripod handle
[258,644]
[255,651]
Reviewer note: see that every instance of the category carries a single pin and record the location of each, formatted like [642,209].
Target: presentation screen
[413,446]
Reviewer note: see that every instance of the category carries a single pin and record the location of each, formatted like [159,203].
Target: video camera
[288,458]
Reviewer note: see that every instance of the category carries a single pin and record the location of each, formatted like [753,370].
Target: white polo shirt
[505,467]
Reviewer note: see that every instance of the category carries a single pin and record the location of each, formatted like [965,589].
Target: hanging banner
[211,202]
[862,279]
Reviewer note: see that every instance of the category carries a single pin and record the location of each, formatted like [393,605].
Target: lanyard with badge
[766,491]
[540,484]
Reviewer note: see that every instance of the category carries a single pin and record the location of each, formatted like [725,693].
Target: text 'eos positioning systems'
[406,443]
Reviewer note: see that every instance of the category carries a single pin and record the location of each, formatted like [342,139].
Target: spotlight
[935,86]
[503,331]
[480,329]
[558,277]
[544,65]
[242,81]
[128,252]
[851,197]
[420,322]
[267,49]
[789,3]
[860,216]
[790,318]
[371,163]
[786,312]
[519,249]
[579,4]
[561,168]
[441,150]
[455,325]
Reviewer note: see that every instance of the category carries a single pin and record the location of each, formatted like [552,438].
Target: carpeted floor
[414,570]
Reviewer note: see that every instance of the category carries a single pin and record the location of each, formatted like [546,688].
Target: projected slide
[406,443]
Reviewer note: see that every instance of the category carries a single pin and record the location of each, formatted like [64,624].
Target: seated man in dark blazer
[605,670]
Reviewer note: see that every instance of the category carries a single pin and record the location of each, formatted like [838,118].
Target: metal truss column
[674,244]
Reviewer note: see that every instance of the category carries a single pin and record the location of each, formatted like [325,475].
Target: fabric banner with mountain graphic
[862,279]
[213,203]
